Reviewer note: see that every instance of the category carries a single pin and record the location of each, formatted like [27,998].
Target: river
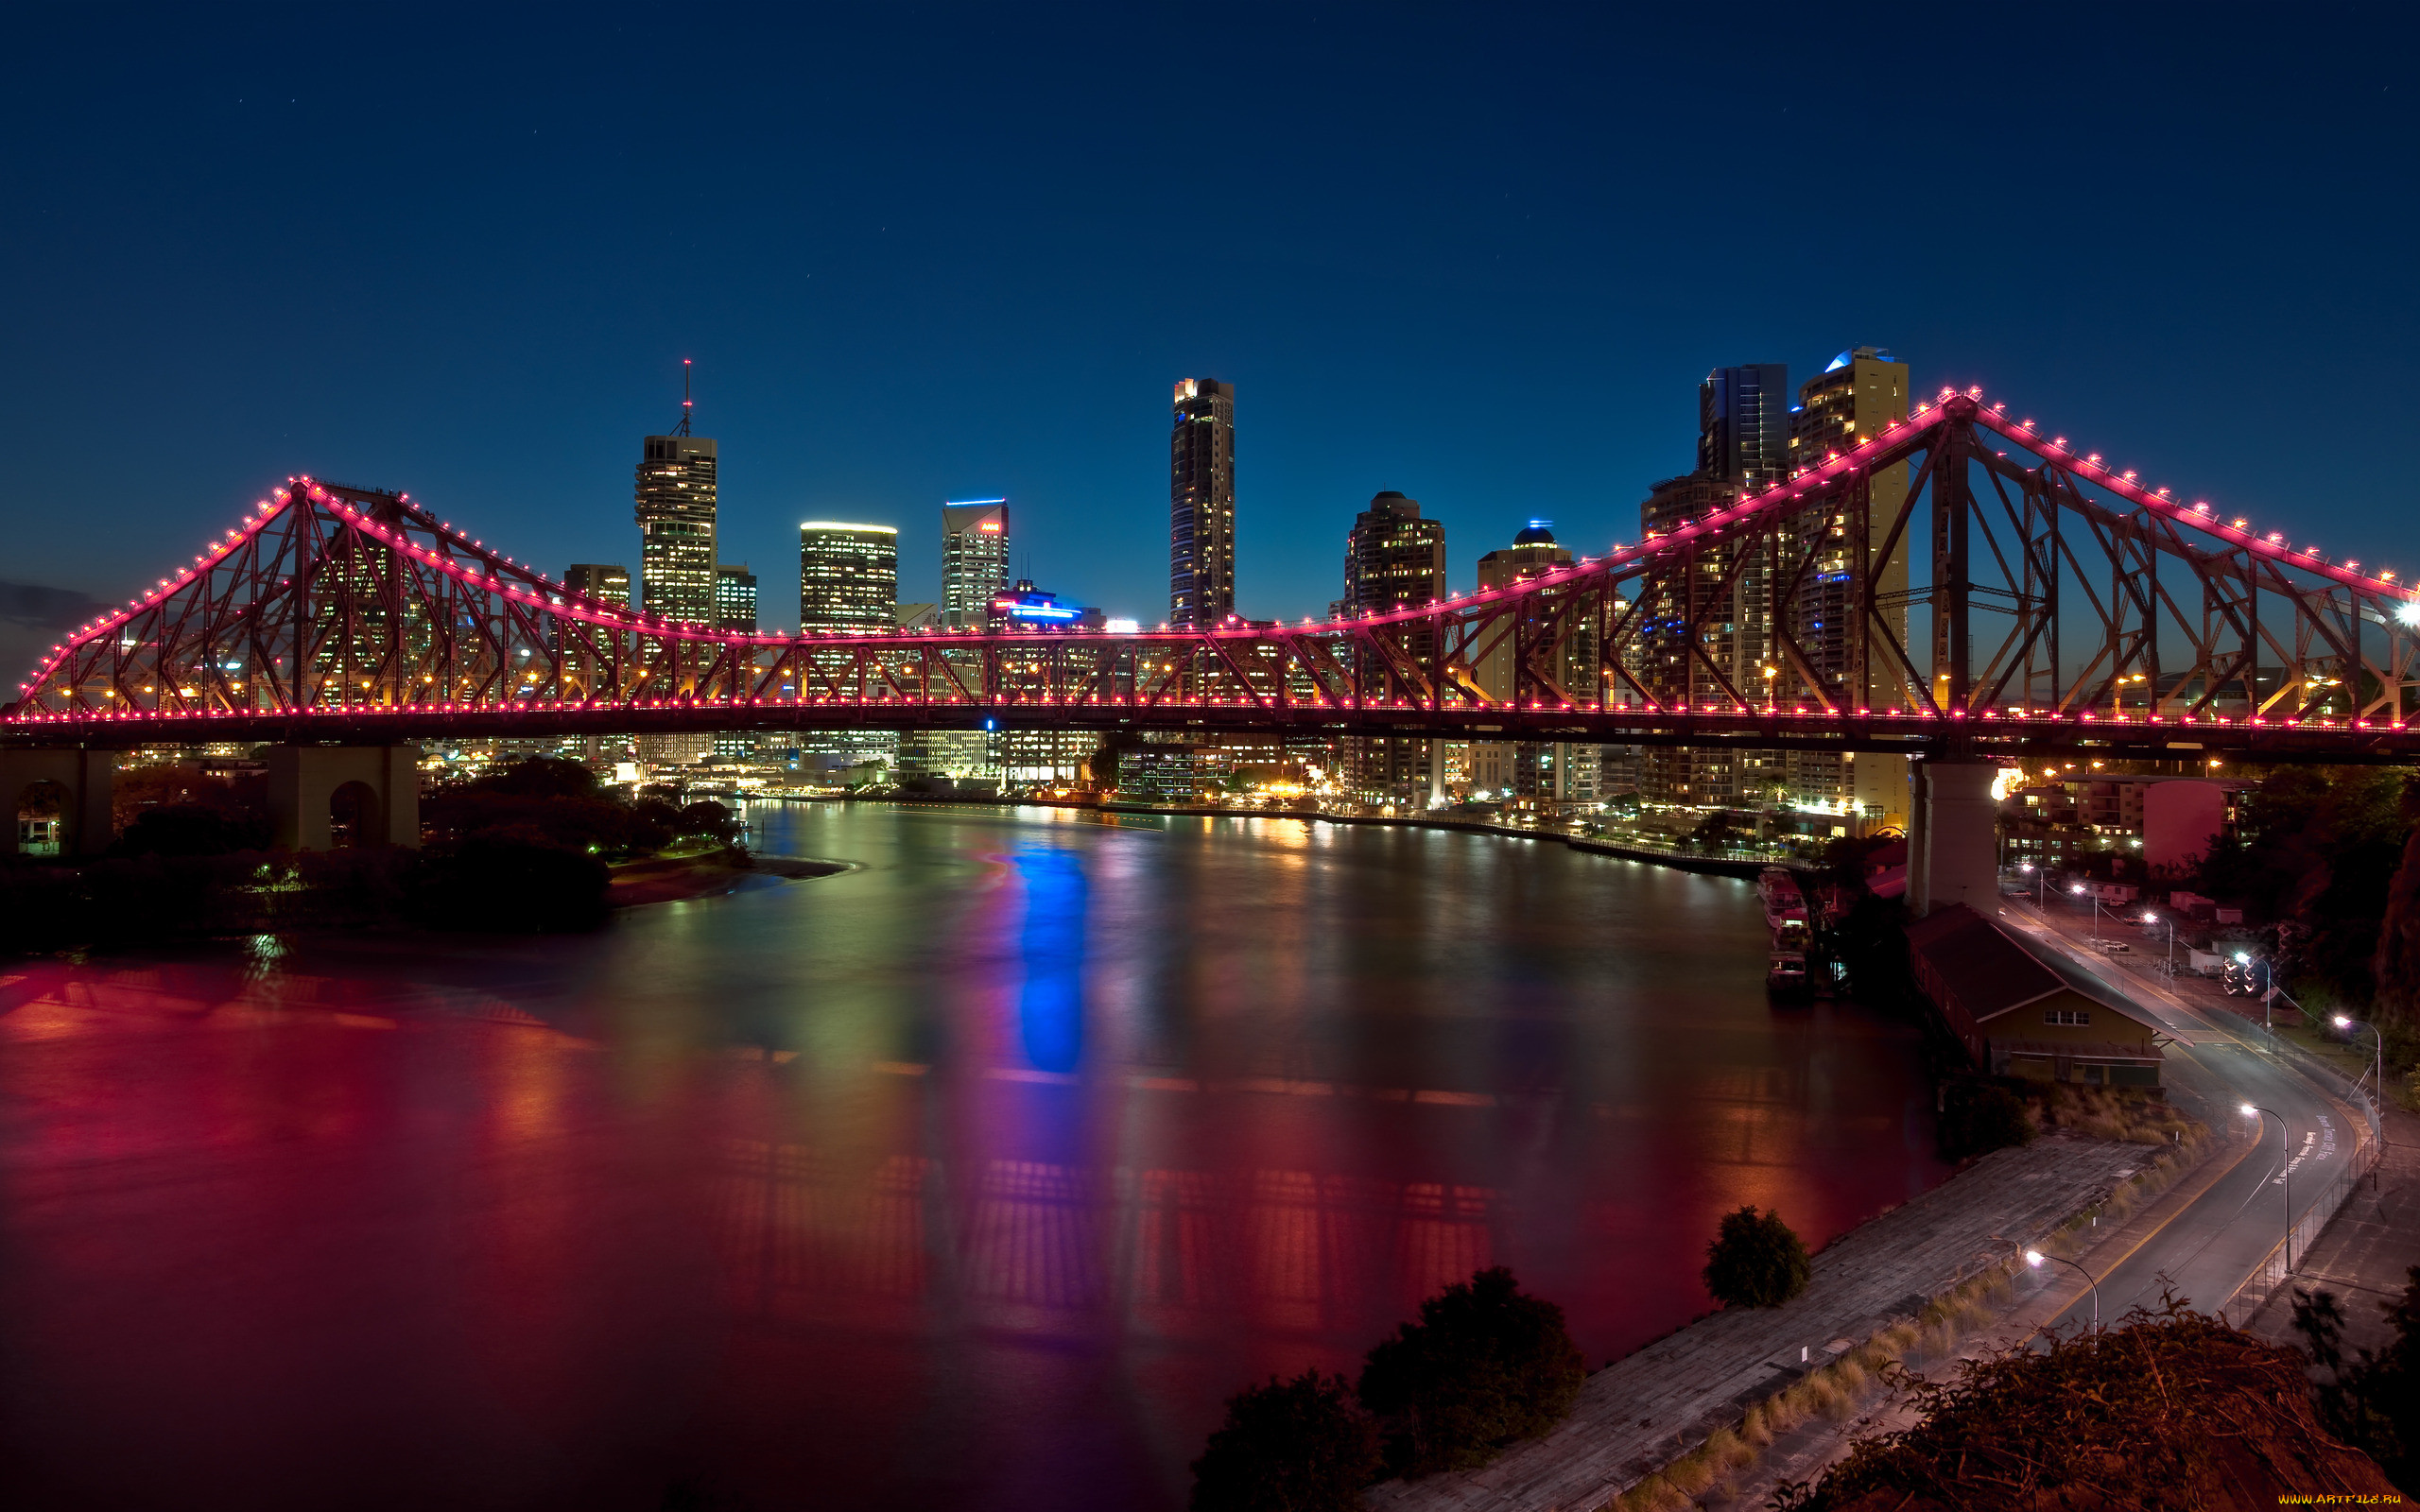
[977,1175]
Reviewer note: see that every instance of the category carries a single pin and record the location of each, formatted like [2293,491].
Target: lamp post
[2079,890]
[2378,1067]
[2036,1257]
[2155,919]
[2284,1174]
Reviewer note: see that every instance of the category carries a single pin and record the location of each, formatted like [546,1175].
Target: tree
[514,879]
[189,830]
[540,777]
[1980,1117]
[1756,1260]
[2371,1400]
[1485,1366]
[1290,1446]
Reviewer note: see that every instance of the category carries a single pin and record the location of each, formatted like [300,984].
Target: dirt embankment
[665,879]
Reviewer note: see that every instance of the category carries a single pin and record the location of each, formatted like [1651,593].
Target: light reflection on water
[977,1174]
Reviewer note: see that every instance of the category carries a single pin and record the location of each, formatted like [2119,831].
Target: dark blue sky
[1481,254]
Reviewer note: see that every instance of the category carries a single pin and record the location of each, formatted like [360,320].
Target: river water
[974,1177]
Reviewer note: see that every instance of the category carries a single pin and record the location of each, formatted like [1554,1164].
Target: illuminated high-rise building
[603,583]
[1394,559]
[848,577]
[1743,425]
[1556,773]
[735,598]
[974,558]
[1201,502]
[1857,397]
[676,515]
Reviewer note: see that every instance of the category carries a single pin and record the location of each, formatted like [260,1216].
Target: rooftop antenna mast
[682,428]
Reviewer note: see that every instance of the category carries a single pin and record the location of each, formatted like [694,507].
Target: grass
[1836,1391]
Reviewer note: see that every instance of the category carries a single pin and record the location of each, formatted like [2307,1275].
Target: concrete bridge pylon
[303,781]
[1953,841]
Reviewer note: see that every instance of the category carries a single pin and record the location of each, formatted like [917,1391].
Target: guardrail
[2276,1267]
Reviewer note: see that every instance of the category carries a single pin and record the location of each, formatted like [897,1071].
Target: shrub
[2371,1400]
[1290,1446]
[1485,1365]
[1980,1117]
[1755,1261]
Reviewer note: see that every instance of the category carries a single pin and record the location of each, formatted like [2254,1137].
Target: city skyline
[1501,315]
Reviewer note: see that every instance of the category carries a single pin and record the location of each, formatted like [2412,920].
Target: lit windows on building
[676,503]
[848,577]
[974,558]
[1201,502]
[735,598]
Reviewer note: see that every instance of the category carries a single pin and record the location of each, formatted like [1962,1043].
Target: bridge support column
[303,781]
[1953,846]
[86,780]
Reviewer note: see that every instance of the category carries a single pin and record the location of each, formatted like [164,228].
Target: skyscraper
[1394,559]
[974,558]
[676,515]
[605,584]
[1201,502]
[1556,773]
[1743,425]
[1852,401]
[735,598]
[848,577]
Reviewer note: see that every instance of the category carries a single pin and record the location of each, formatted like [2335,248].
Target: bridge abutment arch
[86,777]
[303,784]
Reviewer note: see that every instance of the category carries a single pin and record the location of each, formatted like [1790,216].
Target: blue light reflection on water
[1051,1000]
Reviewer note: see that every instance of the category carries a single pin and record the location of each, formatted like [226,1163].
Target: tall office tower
[1202,504]
[607,585]
[1557,774]
[974,558]
[676,514]
[735,609]
[735,598]
[848,577]
[1743,425]
[1850,402]
[1394,559]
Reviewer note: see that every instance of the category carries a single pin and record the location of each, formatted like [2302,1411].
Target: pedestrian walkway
[1641,1412]
[2362,1255]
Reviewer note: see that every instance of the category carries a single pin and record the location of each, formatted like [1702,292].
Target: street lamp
[2155,919]
[2079,890]
[2285,1172]
[2034,1258]
[2041,882]
[1771,673]
[2377,1078]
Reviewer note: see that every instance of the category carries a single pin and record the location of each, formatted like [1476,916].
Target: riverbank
[669,879]
[1730,865]
[1647,1426]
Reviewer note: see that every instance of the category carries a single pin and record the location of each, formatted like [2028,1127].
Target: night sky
[1481,254]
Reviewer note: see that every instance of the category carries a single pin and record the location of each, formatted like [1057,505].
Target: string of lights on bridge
[523,585]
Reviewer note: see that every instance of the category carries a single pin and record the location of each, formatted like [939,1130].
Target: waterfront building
[1394,559]
[920,616]
[1020,606]
[1858,396]
[974,558]
[2015,1016]
[1557,774]
[1172,773]
[735,598]
[848,577]
[605,584]
[1201,502]
[1695,637]
[676,503]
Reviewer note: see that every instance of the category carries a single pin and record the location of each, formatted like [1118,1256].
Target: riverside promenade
[1644,1411]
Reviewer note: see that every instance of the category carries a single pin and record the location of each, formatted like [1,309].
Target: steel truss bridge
[2053,603]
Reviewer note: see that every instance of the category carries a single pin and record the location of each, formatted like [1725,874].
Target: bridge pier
[303,781]
[87,780]
[1953,841]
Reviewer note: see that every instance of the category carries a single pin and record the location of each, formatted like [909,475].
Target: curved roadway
[2210,1247]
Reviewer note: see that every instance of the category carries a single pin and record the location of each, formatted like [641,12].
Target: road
[2209,1248]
